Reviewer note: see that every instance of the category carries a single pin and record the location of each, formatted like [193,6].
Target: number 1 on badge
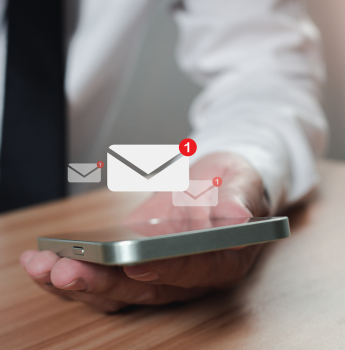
[187,147]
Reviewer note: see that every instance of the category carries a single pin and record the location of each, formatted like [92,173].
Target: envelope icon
[200,193]
[83,172]
[147,168]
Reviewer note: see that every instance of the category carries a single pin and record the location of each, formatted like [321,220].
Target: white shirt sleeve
[261,68]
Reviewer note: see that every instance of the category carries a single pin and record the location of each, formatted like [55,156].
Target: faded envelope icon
[200,193]
[147,168]
[83,172]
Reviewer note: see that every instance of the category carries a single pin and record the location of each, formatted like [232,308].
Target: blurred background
[161,93]
[329,17]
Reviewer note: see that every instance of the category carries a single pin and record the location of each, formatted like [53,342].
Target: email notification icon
[147,168]
[200,193]
[84,172]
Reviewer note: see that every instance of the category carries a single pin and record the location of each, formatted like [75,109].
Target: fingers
[103,287]
[215,269]
[97,302]
[107,282]
[39,264]
[26,256]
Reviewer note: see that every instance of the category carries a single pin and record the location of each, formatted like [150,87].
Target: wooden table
[294,298]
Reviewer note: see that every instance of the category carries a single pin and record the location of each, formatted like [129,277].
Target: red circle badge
[217,181]
[100,164]
[187,147]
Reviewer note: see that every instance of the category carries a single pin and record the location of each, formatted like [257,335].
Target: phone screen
[154,227]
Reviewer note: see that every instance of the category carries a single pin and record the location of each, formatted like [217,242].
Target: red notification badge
[100,164]
[187,147]
[217,181]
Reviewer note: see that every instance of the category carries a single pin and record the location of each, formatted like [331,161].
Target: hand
[110,288]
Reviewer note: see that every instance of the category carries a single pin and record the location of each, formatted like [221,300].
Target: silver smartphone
[162,239]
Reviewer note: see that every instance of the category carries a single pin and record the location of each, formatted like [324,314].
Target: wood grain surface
[294,298]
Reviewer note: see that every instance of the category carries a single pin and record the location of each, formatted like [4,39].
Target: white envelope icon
[83,172]
[147,168]
[200,193]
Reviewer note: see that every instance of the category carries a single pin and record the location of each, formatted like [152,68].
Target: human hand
[109,288]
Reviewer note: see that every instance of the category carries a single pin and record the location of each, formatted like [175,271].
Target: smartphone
[162,239]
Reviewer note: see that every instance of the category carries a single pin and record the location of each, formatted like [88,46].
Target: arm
[260,65]
[257,123]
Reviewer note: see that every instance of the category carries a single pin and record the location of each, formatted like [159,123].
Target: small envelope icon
[84,172]
[147,168]
[200,193]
